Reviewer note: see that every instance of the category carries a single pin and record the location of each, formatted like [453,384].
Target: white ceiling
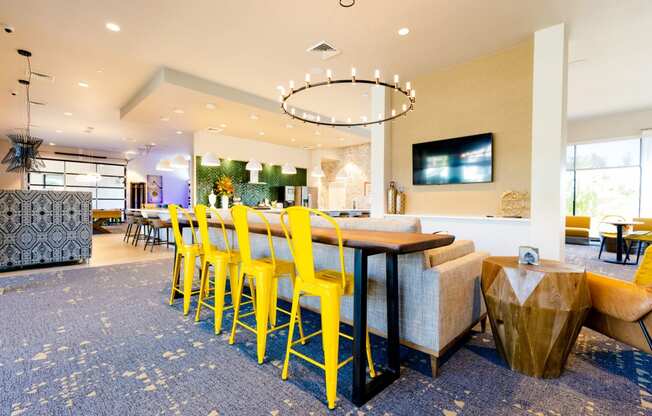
[255,45]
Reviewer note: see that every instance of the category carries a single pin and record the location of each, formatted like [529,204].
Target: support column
[549,97]
[381,152]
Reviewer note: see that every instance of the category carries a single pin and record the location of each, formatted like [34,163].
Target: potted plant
[224,188]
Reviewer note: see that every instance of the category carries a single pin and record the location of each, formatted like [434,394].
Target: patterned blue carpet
[104,342]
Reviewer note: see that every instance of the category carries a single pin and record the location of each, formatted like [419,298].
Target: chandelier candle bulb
[353,74]
[404,107]
[333,120]
[307,79]
[329,75]
[408,86]
[291,85]
[413,94]
[396,80]
[377,76]
[393,113]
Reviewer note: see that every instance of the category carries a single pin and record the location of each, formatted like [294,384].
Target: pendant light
[179,162]
[288,169]
[253,166]
[164,165]
[210,159]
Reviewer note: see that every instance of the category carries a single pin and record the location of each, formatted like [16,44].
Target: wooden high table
[536,312]
[101,216]
[620,239]
[365,244]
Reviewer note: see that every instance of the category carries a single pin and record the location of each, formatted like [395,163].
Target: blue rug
[104,342]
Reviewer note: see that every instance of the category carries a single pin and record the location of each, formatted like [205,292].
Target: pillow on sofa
[450,252]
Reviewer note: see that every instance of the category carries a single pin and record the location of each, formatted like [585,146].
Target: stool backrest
[240,216]
[174,219]
[202,223]
[299,237]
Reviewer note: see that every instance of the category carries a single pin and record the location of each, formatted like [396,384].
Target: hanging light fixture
[164,165]
[253,166]
[406,94]
[288,169]
[318,172]
[179,162]
[210,159]
[23,154]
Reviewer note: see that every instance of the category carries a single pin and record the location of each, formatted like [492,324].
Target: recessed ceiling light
[317,133]
[67,113]
[318,144]
[179,132]
[403,31]
[223,125]
[165,118]
[52,144]
[59,131]
[113,27]
[293,140]
[178,111]
[83,84]
[341,139]
[253,117]
[211,106]
[130,152]
[289,126]
[152,144]
[261,133]
[99,71]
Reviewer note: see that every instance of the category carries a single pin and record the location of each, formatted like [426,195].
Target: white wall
[175,183]
[611,126]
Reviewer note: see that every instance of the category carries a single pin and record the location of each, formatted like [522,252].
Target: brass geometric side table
[536,312]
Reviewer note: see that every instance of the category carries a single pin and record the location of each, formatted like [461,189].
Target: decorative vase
[225,202]
[212,199]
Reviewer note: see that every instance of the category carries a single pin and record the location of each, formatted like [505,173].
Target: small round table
[620,240]
[536,312]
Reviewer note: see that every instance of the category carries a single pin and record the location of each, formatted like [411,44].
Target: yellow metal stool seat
[329,286]
[265,272]
[186,252]
[221,261]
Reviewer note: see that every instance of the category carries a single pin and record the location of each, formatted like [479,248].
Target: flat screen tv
[452,161]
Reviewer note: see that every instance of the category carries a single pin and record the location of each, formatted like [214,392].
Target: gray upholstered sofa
[440,298]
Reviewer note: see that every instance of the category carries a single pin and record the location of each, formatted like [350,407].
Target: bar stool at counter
[186,252]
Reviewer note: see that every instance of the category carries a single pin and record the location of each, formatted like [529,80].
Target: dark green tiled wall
[250,193]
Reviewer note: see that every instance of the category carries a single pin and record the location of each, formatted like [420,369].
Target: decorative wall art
[154,189]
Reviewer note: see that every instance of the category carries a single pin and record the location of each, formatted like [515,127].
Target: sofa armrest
[619,299]
[460,297]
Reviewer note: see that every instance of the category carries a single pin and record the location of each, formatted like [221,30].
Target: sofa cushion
[577,232]
[450,252]
[576,221]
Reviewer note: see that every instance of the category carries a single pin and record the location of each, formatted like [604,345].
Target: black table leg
[363,391]
[619,243]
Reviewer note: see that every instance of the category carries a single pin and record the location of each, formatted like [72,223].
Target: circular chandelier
[406,91]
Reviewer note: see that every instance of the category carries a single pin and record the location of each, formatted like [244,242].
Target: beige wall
[7,180]
[490,94]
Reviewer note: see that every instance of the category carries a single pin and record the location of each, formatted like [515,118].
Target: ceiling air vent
[324,49]
[215,129]
[36,102]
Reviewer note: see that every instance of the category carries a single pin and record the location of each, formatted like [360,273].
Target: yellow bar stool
[329,286]
[221,261]
[266,272]
[186,252]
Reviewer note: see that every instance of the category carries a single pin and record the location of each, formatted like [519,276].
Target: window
[604,179]
[59,175]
